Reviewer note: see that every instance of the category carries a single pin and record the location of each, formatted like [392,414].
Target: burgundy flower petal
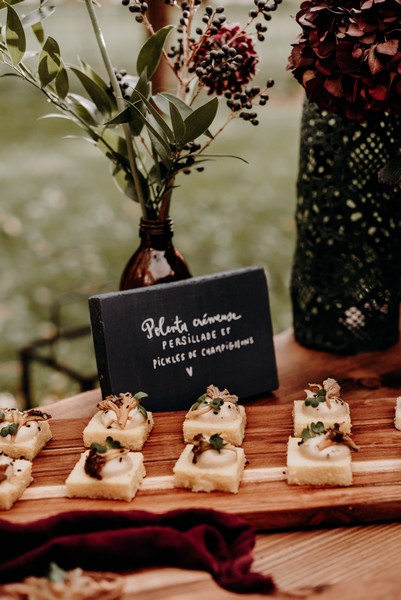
[348,56]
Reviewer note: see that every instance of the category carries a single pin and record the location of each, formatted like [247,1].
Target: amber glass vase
[156,260]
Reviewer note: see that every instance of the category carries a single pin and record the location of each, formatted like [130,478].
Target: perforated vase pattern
[346,277]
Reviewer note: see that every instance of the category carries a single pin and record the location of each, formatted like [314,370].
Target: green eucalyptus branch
[120,102]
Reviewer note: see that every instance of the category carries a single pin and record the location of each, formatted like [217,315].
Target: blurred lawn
[65,227]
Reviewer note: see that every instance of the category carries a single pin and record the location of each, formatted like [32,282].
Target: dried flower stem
[120,102]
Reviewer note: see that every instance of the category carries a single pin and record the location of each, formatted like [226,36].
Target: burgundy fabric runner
[207,540]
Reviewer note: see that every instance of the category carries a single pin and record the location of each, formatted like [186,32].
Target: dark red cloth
[212,541]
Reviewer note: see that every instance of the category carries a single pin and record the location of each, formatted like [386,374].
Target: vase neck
[154,233]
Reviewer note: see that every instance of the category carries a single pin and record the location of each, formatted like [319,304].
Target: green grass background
[65,227]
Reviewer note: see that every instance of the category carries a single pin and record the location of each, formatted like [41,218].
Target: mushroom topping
[213,453]
[212,402]
[320,443]
[13,420]
[122,410]
[100,457]
[328,392]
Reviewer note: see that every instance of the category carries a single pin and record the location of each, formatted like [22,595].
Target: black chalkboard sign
[172,341]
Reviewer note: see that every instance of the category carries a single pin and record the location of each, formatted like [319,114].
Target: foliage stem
[120,102]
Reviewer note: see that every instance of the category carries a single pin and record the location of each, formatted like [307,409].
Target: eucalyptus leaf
[39,32]
[161,150]
[150,54]
[49,62]
[95,92]
[62,84]
[9,3]
[163,101]
[142,89]
[157,117]
[199,121]
[177,122]
[127,115]
[85,109]
[15,36]
[126,185]
[91,73]
[37,16]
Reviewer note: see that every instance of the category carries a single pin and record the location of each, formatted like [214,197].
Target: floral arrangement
[348,56]
[148,137]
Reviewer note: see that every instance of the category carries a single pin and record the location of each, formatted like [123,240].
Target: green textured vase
[345,284]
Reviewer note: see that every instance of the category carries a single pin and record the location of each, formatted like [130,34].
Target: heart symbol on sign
[189,371]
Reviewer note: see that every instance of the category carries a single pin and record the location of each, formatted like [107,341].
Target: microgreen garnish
[10,429]
[110,445]
[2,415]
[330,436]
[213,400]
[215,442]
[56,574]
[315,400]
[311,431]
[200,401]
[328,392]
[99,454]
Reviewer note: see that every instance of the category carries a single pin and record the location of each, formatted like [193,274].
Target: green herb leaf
[199,121]
[317,428]
[62,84]
[125,183]
[217,442]
[150,54]
[98,447]
[91,73]
[140,395]
[199,402]
[142,410]
[2,415]
[56,574]
[10,429]
[15,36]
[164,100]
[85,109]
[49,62]
[312,430]
[177,122]
[37,16]
[39,32]
[9,3]
[95,92]
[112,444]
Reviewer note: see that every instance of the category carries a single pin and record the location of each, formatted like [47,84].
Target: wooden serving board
[264,499]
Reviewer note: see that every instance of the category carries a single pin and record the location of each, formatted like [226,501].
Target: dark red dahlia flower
[225,61]
[348,56]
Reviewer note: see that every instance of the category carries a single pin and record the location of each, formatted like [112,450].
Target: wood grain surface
[264,498]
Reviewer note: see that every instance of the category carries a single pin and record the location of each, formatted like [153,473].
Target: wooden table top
[348,562]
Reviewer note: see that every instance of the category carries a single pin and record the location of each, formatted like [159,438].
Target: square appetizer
[322,456]
[23,434]
[15,476]
[397,417]
[106,471]
[123,418]
[322,403]
[216,412]
[210,464]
